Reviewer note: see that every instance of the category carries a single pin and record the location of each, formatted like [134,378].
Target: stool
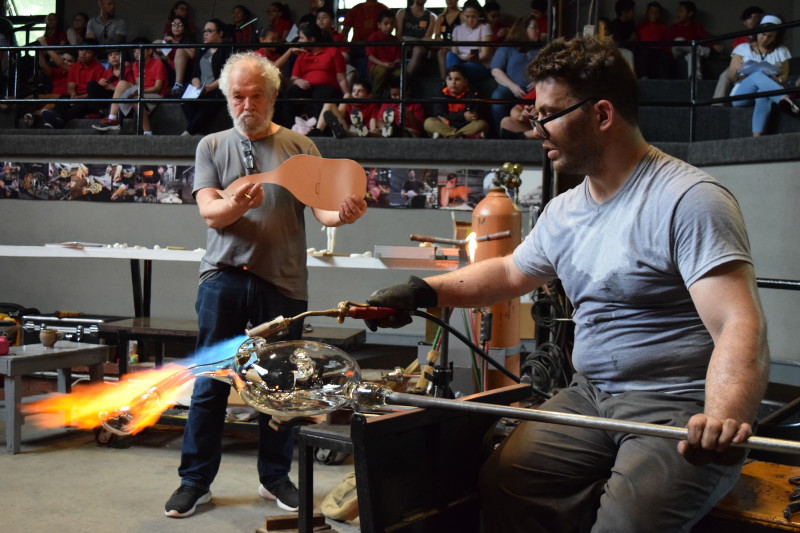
[31,358]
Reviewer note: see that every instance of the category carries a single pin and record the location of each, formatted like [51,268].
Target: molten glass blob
[288,379]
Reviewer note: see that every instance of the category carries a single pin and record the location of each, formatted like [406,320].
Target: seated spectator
[106,28]
[653,61]
[517,125]
[56,67]
[453,194]
[346,119]
[449,19]
[112,75]
[751,17]
[623,29]
[279,20]
[313,9]
[509,65]
[318,73]
[494,18]
[452,119]
[327,23]
[390,120]
[205,78]
[759,66]
[77,32]
[179,60]
[154,86]
[242,30]
[473,58]
[87,69]
[54,32]
[416,23]
[181,9]
[539,14]
[789,104]
[687,29]
[279,59]
[384,61]
[363,19]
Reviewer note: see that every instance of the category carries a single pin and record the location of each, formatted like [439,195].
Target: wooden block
[288,522]
[758,499]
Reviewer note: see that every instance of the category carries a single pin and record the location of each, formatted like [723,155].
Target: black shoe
[185,500]
[314,132]
[285,492]
[333,124]
[789,107]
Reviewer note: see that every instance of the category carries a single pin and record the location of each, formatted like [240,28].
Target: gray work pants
[559,478]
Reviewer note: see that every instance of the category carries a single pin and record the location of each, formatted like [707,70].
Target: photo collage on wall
[164,184]
[416,187]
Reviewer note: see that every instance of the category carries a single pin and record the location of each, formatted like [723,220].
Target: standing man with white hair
[254,269]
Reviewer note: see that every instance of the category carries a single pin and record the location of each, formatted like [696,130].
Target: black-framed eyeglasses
[538,125]
[206,30]
[177,24]
[247,151]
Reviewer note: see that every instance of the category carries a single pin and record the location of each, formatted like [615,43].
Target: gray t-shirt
[270,240]
[114,31]
[626,266]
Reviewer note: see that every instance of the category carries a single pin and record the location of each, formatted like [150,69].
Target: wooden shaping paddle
[315,181]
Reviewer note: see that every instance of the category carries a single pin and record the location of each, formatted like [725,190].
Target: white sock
[112,117]
[148,132]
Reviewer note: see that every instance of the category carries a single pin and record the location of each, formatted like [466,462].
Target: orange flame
[472,245]
[85,406]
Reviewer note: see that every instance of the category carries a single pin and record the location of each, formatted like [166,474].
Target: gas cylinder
[495,213]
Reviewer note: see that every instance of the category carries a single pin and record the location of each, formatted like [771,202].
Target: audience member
[751,17]
[154,86]
[106,28]
[279,59]
[80,74]
[453,119]
[416,23]
[313,9]
[205,78]
[54,33]
[518,125]
[539,14]
[473,58]
[653,61]
[242,28]
[413,191]
[77,32]
[326,21]
[56,67]
[317,73]
[362,18]
[494,18]
[384,61]
[449,19]
[179,60]
[356,119]
[687,29]
[759,66]
[279,20]
[390,118]
[181,9]
[509,66]
[623,28]
[112,75]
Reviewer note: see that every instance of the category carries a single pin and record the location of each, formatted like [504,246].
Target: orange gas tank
[495,213]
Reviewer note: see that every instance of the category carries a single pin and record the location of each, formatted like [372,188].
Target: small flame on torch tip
[472,245]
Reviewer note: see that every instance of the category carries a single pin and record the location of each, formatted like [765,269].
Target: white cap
[770,19]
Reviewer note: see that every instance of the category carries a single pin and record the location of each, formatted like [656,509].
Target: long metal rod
[626,426]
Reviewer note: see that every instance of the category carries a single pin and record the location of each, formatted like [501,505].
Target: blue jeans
[758,82]
[500,111]
[226,302]
[474,71]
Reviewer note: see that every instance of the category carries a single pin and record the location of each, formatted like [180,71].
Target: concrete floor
[64,481]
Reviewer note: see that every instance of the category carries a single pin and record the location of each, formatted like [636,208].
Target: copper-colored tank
[495,213]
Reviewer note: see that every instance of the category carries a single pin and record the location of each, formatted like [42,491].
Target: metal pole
[626,426]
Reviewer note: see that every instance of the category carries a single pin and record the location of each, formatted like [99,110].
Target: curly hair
[269,72]
[590,67]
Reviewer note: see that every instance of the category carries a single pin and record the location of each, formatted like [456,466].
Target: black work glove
[408,296]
